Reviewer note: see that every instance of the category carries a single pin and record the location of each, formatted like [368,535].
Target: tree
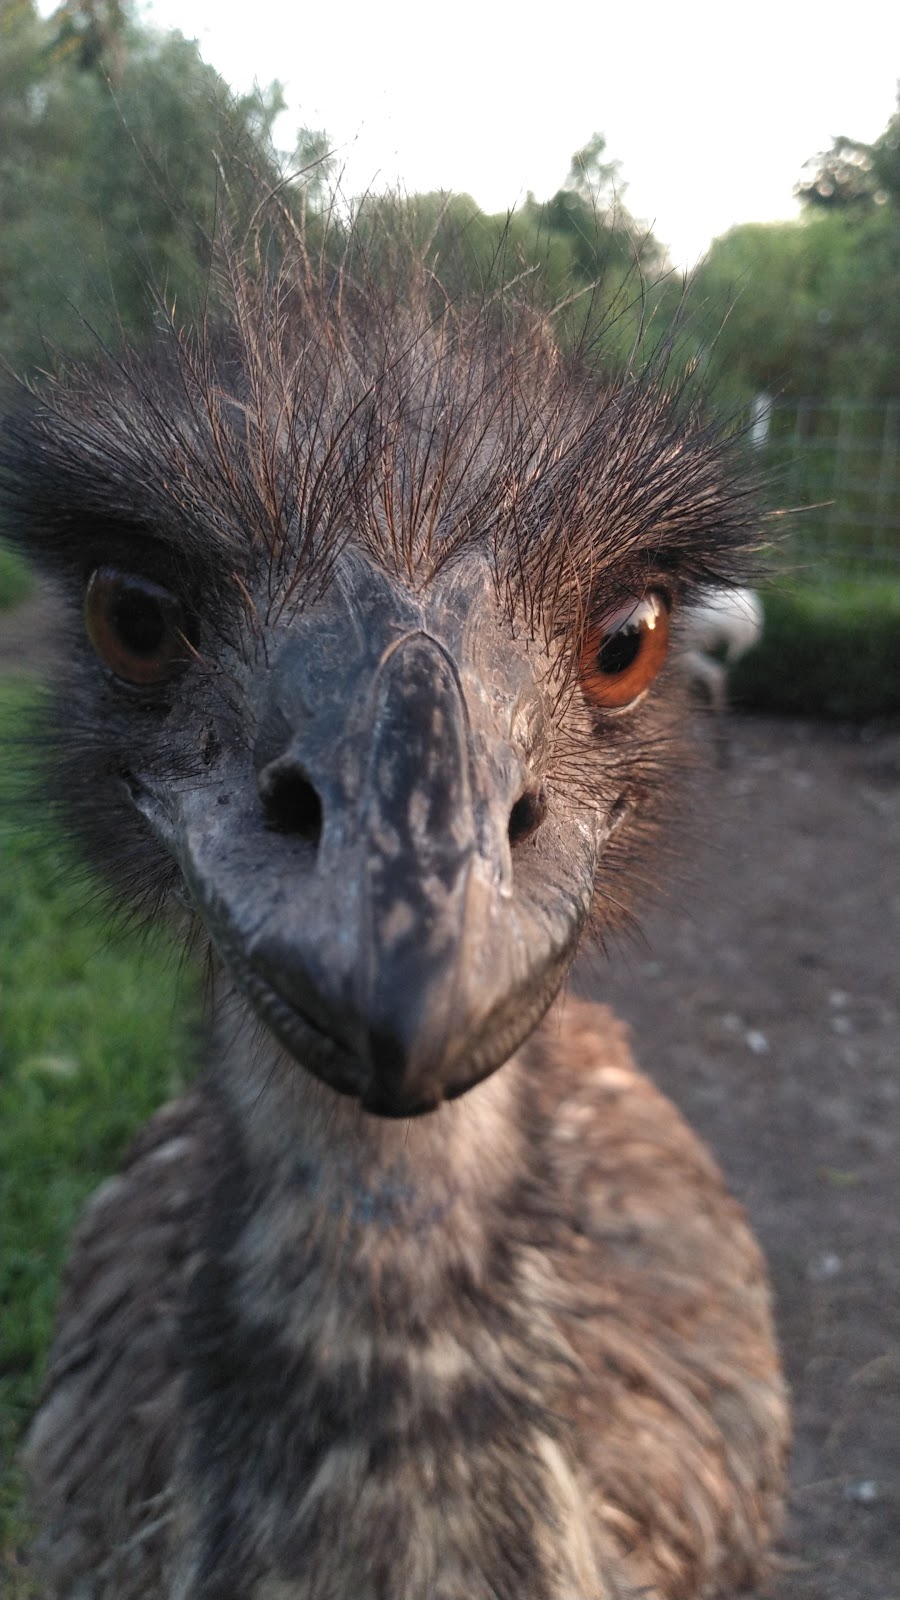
[106,188]
[812,308]
[805,309]
[590,209]
[593,179]
[855,176]
[596,254]
[92,34]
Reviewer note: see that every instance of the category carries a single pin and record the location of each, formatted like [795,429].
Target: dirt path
[770,1010]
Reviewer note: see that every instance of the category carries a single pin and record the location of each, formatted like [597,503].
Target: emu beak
[365,897]
[427,874]
[423,979]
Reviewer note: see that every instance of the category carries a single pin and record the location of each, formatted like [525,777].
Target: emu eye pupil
[138,628]
[139,621]
[620,650]
[624,650]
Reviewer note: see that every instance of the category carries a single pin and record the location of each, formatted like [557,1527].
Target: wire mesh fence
[838,463]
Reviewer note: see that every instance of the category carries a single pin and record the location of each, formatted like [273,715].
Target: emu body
[729,621]
[518,1348]
[423,1291]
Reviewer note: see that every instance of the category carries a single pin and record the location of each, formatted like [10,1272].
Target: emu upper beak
[365,893]
[423,970]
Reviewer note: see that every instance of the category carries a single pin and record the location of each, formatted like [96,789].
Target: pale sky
[711,108]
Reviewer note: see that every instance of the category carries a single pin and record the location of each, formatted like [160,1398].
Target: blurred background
[724,183]
[761,161]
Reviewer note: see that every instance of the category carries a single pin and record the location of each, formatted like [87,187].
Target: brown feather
[651,1350]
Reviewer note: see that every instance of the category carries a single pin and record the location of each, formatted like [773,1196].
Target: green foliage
[597,258]
[91,33]
[826,652]
[853,176]
[594,179]
[91,1041]
[108,173]
[811,308]
[112,175]
[111,141]
[601,276]
[805,308]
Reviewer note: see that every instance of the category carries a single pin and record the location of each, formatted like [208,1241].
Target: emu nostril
[291,805]
[527,815]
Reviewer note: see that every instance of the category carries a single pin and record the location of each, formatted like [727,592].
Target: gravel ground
[768,1007]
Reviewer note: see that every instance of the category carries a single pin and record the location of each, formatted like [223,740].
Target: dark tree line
[111,139]
[108,171]
[815,304]
[852,176]
[110,181]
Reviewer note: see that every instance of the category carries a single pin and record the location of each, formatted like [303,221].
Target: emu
[423,1291]
[726,620]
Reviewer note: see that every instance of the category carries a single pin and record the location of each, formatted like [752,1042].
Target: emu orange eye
[137,628]
[623,653]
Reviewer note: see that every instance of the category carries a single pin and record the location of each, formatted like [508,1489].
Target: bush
[827,652]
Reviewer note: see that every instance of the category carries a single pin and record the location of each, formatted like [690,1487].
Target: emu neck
[371,1321]
[424,1196]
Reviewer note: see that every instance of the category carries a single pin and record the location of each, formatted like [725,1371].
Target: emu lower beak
[363,894]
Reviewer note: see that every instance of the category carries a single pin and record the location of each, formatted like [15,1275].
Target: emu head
[372,672]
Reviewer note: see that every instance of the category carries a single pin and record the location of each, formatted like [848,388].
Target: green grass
[16,581]
[92,1039]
